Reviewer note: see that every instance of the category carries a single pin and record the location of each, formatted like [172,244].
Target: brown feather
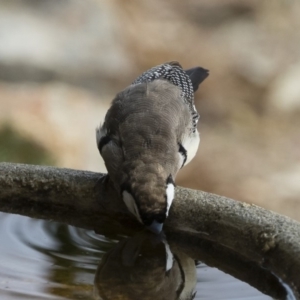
[145,123]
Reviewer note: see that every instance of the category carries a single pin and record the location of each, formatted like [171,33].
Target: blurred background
[62,62]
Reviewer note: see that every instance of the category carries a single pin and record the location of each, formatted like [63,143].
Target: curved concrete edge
[270,239]
[87,199]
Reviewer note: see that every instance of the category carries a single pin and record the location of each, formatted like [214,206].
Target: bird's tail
[197,75]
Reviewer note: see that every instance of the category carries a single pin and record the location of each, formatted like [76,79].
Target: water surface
[48,260]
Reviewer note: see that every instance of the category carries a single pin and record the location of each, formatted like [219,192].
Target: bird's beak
[155,227]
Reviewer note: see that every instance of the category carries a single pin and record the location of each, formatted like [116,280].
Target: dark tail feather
[197,75]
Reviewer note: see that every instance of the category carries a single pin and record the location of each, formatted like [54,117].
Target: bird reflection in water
[144,267]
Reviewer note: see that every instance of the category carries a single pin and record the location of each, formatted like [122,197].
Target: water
[49,260]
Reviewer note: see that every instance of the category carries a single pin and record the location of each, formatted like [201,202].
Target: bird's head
[148,195]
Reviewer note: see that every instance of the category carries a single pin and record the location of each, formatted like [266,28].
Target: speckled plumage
[174,73]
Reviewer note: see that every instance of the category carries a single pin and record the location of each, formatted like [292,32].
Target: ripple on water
[49,260]
[41,258]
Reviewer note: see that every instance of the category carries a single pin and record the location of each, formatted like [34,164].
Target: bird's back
[147,121]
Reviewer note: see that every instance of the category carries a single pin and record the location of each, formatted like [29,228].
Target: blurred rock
[19,149]
[258,165]
[284,94]
[73,41]
[249,105]
[62,119]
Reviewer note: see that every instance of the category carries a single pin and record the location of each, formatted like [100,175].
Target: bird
[144,266]
[149,133]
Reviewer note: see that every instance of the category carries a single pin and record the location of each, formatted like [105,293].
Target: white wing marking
[170,196]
